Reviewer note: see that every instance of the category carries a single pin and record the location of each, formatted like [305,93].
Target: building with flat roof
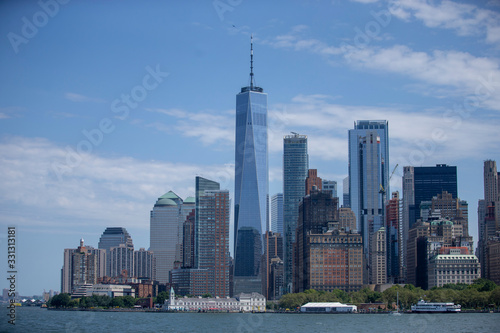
[453,265]
[330,307]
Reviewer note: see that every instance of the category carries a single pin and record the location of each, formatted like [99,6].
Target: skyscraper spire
[251,62]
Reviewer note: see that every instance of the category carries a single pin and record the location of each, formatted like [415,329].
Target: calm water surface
[31,319]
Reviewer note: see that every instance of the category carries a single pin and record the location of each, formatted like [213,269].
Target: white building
[253,302]
[111,290]
[453,268]
[328,307]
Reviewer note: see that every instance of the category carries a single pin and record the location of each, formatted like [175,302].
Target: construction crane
[382,190]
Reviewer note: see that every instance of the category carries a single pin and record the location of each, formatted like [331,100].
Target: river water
[32,319]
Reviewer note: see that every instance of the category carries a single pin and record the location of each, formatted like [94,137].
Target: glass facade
[201,185]
[368,179]
[277,213]
[295,168]
[113,237]
[251,207]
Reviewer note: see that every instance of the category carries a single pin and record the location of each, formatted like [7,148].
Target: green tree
[117,302]
[207,295]
[128,301]
[162,296]
[60,301]
[495,296]
[483,285]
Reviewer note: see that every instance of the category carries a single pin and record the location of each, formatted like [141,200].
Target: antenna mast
[251,62]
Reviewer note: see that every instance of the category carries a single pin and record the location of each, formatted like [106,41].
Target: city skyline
[431,70]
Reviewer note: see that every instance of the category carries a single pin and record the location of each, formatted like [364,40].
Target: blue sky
[105,106]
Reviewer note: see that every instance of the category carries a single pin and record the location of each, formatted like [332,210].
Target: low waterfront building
[111,290]
[333,307]
[253,302]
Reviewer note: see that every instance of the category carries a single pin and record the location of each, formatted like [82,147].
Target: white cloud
[209,128]
[465,19]
[81,98]
[98,191]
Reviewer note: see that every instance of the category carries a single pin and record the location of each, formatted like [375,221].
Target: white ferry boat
[424,307]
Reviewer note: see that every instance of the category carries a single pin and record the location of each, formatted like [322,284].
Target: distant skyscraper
[251,193]
[295,167]
[346,202]
[431,181]
[277,213]
[393,237]
[313,181]
[368,181]
[113,237]
[490,182]
[201,185]
[166,232]
[330,185]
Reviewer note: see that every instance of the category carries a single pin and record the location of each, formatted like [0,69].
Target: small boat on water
[429,307]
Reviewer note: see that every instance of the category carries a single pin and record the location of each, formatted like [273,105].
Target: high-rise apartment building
[113,237]
[295,168]
[313,181]
[212,273]
[251,191]
[166,232]
[144,264]
[83,265]
[378,257]
[122,261]
[330,185]
[368,181]
[201,185]
[277,213]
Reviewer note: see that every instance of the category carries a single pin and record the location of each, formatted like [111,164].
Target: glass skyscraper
[201,185]
[368,182]
[251,198]
[114,237]
[277,213]
[295,167]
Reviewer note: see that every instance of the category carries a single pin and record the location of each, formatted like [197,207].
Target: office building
[166,232]
[316,210]
[113,237]
[347,219]
[330,185]
[346,202]
[277,213]
[251,192]
[392,225]
[368,181]
[421,184]
[188,241]
[295,168]
[453,265]
[333,260]
[313,181]
[273,254]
